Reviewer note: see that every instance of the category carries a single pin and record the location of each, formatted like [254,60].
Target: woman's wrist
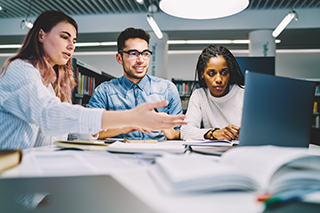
[209,134]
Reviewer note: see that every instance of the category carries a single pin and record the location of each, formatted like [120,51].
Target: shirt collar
[128,84]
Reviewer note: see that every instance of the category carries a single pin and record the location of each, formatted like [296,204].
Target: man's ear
[41,35]
[201,74]
[119,58]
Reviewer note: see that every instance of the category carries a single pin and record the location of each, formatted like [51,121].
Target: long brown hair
[32,50]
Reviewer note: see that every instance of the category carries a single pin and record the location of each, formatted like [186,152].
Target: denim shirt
[122,94]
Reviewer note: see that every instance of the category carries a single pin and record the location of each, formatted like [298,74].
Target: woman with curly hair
[215,109]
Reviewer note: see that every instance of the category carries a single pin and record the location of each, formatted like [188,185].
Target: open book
[262,168]
[89,145]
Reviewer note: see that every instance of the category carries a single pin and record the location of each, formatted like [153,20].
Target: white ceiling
[102,20]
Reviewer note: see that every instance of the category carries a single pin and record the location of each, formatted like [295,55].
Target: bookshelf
[185,87]
[315,131]
[87,78]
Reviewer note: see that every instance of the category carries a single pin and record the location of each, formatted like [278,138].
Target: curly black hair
[236,76]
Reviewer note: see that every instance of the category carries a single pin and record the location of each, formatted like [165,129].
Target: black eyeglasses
[135,53]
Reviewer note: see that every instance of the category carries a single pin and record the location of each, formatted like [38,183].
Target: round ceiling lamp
[202,9]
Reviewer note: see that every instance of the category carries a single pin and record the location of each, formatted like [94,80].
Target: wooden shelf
[87,78]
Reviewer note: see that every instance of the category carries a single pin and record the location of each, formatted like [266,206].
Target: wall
[298,65]
[294,65]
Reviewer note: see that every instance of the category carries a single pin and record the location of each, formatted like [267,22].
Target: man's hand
[108,133]
[171,134]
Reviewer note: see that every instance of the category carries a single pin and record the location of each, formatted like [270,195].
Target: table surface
[140,183]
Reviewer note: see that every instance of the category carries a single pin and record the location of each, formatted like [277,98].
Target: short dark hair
[236,76]
[131,33]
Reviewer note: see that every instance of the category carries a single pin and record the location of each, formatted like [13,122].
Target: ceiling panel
[20,8]
[291,38]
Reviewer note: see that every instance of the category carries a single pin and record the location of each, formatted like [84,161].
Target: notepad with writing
[9,159]
[262,168]
[209,143]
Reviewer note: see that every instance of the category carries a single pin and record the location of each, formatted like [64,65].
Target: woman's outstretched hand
[142,116]
[145,117]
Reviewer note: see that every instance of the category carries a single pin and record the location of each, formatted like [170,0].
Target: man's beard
[130,75]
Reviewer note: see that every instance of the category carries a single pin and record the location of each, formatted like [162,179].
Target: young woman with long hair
[35,92]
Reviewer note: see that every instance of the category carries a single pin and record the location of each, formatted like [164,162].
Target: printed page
[191,173]
[65,163]
[160,147]
[207,143]
[261,162]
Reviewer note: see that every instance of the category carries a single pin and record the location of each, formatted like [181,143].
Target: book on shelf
[9,159]
[184,103]
[317,91]
[315,107]
[184,87]
[86,84]
[262,169]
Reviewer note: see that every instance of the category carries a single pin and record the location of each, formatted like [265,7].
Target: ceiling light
[26,23]
[140,1]
[284,23]
[95,44]
[244,41]
[114,43]
[202,9]
[10,46]
[154,26]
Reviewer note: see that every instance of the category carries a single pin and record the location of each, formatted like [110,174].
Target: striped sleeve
[25,102]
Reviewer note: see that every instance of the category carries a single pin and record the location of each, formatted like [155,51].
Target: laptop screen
[98,193]
[276,111]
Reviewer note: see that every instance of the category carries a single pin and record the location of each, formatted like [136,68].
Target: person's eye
[64,36]
[224,72]
[133,54]
[145,54]
[211,74]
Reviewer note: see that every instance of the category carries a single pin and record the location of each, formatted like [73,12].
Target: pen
[288,197]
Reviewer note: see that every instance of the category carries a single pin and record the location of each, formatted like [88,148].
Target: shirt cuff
[90,120]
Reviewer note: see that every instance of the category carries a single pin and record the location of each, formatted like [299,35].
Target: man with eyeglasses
[136,87]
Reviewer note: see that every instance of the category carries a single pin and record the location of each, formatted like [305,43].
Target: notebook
[101,193]
[276,111]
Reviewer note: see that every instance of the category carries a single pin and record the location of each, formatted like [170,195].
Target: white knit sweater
[212,111]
